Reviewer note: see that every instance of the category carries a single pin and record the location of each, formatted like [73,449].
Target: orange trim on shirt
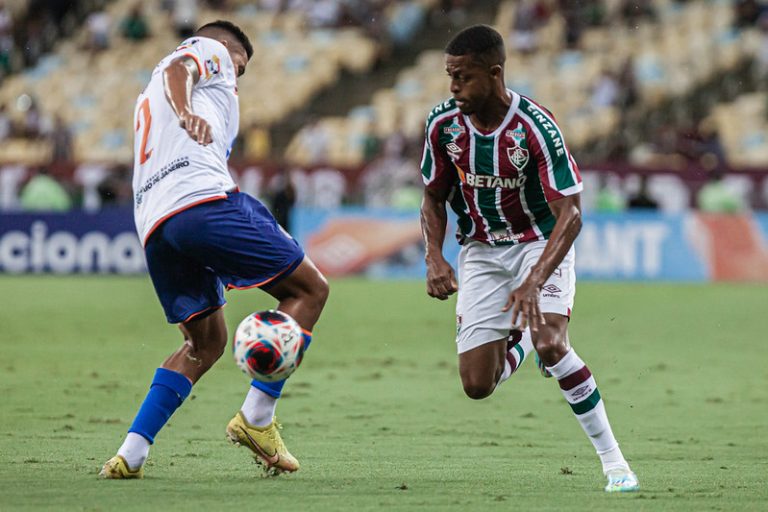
[308,333]
[174,212]
[462,175]
[194,57]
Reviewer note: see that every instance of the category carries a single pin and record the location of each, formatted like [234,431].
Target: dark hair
[480,41]
[233,29]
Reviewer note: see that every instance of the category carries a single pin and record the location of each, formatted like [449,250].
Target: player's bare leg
[551,341]
[481,368]
[302,295]
[484,368]
[580,390]
[204,342]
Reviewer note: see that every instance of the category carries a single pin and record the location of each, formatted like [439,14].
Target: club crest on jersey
[454,130]
[212,66]
[518,155]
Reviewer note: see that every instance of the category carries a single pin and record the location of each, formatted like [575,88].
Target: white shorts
[487,275]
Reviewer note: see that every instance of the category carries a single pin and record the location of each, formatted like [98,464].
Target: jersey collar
[514,103]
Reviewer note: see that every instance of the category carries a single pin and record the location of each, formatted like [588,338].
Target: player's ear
[224,42]
[497,70]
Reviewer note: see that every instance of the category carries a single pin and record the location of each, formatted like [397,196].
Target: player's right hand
[441,281]
[197,128]
[524,303]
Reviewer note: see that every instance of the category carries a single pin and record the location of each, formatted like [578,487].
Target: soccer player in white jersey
[202,235]
[501,162]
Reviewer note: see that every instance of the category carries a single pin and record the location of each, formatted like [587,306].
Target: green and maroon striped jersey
[500,182]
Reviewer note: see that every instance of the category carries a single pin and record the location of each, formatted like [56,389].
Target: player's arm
[441,281]
[524,301]
[178,79]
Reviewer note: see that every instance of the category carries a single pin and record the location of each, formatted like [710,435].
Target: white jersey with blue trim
[171,171]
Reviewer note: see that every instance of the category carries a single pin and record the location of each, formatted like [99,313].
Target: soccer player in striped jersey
[501,162]
[202,235]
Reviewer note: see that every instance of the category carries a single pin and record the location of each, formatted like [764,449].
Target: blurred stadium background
[664,104]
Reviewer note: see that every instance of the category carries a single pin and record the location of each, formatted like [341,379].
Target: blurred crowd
[389,175]
[580,15]
[31,30]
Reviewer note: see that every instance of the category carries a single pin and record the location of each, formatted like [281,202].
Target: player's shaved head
[482,42]
[223,28]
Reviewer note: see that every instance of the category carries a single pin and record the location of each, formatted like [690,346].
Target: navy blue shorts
[232,243]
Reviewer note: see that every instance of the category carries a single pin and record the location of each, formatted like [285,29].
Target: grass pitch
[376,413]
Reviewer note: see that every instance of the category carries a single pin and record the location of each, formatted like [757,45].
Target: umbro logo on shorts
[551,288]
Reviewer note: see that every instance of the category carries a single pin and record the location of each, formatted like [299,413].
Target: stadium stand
[81,83]
[582,78]
[743,125]
[643,93]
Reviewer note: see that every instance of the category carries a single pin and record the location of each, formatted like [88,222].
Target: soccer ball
[268,345]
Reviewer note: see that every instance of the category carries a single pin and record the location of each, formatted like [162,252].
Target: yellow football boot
[117,469]
[267,446]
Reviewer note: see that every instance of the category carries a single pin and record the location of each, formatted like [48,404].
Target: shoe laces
[274,435]
[620,476]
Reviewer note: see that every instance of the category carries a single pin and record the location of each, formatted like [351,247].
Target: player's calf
[205,340]
[580,390]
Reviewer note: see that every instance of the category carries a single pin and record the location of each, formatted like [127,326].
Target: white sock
[516,355]
[580,390]
[258,408]
[613,459]
[134,450]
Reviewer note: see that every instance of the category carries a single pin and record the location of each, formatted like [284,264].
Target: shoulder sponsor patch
[454,129]
[212,66]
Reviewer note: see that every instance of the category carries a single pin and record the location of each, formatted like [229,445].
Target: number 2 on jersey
[145,116]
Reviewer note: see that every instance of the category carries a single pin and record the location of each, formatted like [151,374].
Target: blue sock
[274,389]
[166,394]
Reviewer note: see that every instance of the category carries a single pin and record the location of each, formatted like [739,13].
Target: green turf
[376,413]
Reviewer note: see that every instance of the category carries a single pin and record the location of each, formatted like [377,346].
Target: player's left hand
[197,128]
[524,302]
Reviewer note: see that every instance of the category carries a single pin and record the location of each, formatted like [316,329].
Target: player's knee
[479,376]
[478,391]
[551,349]
[321,290]
[478,388]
